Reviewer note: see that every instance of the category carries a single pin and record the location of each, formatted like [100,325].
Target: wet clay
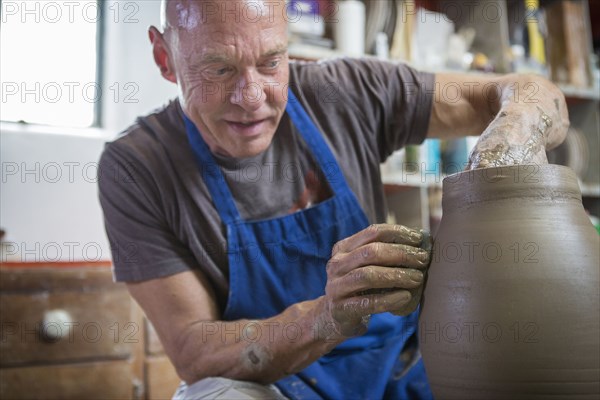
[504,143]
[511,303]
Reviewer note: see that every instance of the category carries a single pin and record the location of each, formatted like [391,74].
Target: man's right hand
[379,269]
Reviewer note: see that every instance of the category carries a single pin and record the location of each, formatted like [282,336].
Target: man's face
[231,66]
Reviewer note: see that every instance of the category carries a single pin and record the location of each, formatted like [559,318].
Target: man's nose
[248,92]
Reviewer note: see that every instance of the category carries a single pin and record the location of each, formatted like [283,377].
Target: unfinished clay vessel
[511,304]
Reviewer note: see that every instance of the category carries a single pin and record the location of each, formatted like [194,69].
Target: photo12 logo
[456,252]
[67,92]
[58,326]
[453,332]
[54,12]
[51,252]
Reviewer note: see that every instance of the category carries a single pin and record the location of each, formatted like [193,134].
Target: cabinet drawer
[153,343]
[100,380]
[78,325]
[161,378]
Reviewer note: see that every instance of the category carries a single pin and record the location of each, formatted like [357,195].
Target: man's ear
[161,55]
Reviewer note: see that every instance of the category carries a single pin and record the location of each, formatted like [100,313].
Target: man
[240,214]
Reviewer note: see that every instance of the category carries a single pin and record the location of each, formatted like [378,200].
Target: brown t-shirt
[159,215]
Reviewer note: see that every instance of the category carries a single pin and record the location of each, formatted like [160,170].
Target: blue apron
[278,262]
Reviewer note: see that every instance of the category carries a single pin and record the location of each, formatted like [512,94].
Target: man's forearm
[257,350]
[466,104]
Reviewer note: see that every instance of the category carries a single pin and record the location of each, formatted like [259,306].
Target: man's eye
[218,71]
[222,71]
[272,64]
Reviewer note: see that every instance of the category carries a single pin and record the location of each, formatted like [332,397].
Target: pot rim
[548,181]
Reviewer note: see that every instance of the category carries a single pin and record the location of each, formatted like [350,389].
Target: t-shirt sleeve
[392,100]
[142,244]
[408,96]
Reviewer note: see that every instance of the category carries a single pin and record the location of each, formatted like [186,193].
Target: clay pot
[511,304]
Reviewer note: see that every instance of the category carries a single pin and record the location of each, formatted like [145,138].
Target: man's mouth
[248,128]
[248,123]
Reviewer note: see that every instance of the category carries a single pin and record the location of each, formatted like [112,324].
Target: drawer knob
[56,324]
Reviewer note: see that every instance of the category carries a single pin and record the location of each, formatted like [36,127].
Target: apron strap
[315,141]
[212,175]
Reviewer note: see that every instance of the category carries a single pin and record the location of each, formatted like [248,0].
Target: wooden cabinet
[86,380]
[70,332]
[160,377]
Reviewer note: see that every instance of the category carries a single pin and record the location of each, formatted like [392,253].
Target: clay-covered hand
[533,118]
[379,269]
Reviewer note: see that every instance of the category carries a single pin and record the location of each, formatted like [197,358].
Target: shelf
[314,53]
[589,189]
[570,91]
[413,179]
[427,180]
[579,93]
[309,52]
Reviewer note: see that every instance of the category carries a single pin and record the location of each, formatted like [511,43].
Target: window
[48,62]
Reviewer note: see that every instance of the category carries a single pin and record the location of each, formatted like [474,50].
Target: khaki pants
[223,388]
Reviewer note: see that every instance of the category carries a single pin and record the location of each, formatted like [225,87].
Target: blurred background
[75,73]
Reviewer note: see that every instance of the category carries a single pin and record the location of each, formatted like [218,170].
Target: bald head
[178,13]
[187,15]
